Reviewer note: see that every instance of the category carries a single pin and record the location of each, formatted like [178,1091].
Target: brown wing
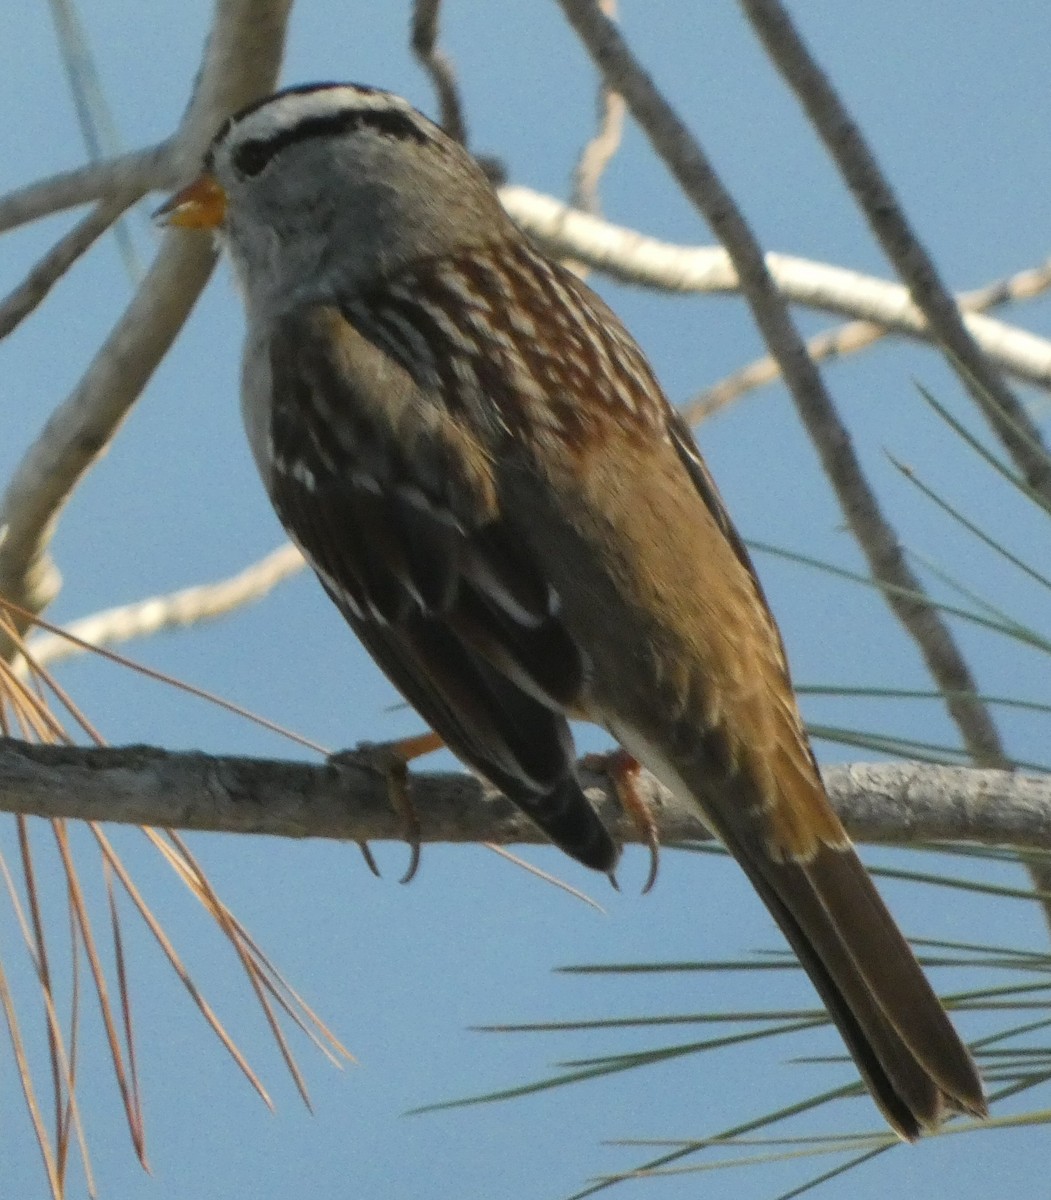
[407,539]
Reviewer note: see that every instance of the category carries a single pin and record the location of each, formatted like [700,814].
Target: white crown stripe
[285,111]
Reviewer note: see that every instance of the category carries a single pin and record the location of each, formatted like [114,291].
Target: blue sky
[954,99]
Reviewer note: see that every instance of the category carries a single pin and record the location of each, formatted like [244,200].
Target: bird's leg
[623,769]
[391,761]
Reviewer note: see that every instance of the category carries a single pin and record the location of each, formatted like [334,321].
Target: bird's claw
[622,769]
[391,761]
[370,861]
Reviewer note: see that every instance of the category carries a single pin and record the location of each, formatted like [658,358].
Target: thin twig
[176,610]
[97,125]
[439,66]
[152,168]
[859,335]
[856,162]
[25,298]
[600,150]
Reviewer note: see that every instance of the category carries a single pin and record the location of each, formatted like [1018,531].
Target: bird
[479,464]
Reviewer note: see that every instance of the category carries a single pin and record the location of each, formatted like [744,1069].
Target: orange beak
[199,205]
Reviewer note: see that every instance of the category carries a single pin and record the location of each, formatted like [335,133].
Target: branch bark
[884,802]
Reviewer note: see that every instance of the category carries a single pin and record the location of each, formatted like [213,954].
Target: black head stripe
[252,156]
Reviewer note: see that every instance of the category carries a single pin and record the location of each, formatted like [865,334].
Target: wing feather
[426,569]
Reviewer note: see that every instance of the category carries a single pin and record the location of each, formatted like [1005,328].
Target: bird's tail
[894,1025]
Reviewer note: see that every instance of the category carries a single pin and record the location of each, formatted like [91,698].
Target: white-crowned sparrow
[476,459]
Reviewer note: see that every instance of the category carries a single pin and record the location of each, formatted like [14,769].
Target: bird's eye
[251,157]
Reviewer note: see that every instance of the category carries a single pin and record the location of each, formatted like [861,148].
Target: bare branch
[80,429]
[883,802]
[189,606]
[635,258]
[439,66]
[240,63]
[599,151]
[22,300]
[140,171]
[875,197]
[858,335]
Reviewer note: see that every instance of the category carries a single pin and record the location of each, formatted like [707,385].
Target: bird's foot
[391,761]
[622,770]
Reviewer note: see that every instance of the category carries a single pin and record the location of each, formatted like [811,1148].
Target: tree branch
[176,610]
[241,62]
[439,66]
[850,152]
[153,167]
[885,802]
[859,335]
[30,293]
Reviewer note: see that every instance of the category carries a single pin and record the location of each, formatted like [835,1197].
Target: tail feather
[889,968]
[900,1037]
